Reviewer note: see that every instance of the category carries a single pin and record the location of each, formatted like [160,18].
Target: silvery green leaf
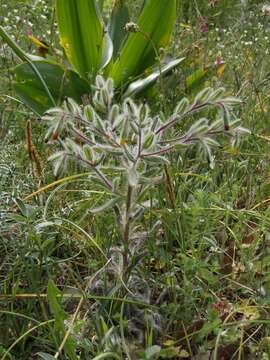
[71,146]
[87,149]
[60,125]
[211,142]
[118,122]
[105,97]
[89,113]
[124,131]
[128,154]
[130,107]
[53,111]
[115,169]
[216,125]
[71,106]
[56,155]
[155,123]
[231,100]
[116,182]
[234,123]
[99,159]
[110,86]
[60,165]
[199,127]
[46,224]
[143,113]
[182,107]
[180,145]
[109,149]
[209,154]
[148,140]
[203,95]
[99,104]
[49,133]
[114,113]
[156,159]
[242,130]
[99,123]
[216,94]
[134,126]
[100,82]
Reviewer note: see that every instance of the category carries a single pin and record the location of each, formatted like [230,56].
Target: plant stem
[126,233]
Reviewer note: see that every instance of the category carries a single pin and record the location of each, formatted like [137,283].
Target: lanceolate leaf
[107,51]
[142,84]
[118,20]
[60,81]
[156,23]
[81,34]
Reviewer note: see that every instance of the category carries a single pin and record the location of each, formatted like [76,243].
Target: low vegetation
[134,221]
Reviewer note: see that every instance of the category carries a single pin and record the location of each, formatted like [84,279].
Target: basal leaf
[81,34]
[118,20]
[156,23]
[60,81]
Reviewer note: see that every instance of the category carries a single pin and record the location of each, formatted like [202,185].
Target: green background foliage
[204,281]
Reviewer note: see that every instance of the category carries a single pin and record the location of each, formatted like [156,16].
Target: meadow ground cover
[201,285]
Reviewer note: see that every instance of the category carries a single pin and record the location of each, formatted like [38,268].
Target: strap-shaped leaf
[156,23]
[60,81]
[144,83]
[81,34]
[107,52]
[118,19]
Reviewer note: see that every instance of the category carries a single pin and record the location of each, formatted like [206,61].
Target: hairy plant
[125,147]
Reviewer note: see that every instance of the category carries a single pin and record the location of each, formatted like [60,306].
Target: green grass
[202,285]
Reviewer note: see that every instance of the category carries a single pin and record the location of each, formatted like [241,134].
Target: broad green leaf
[60,81]
[118,19]
[142,84]
[140,50]
[26,58]
[81,34]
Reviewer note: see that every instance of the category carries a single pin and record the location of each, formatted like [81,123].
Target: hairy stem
[126,233]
